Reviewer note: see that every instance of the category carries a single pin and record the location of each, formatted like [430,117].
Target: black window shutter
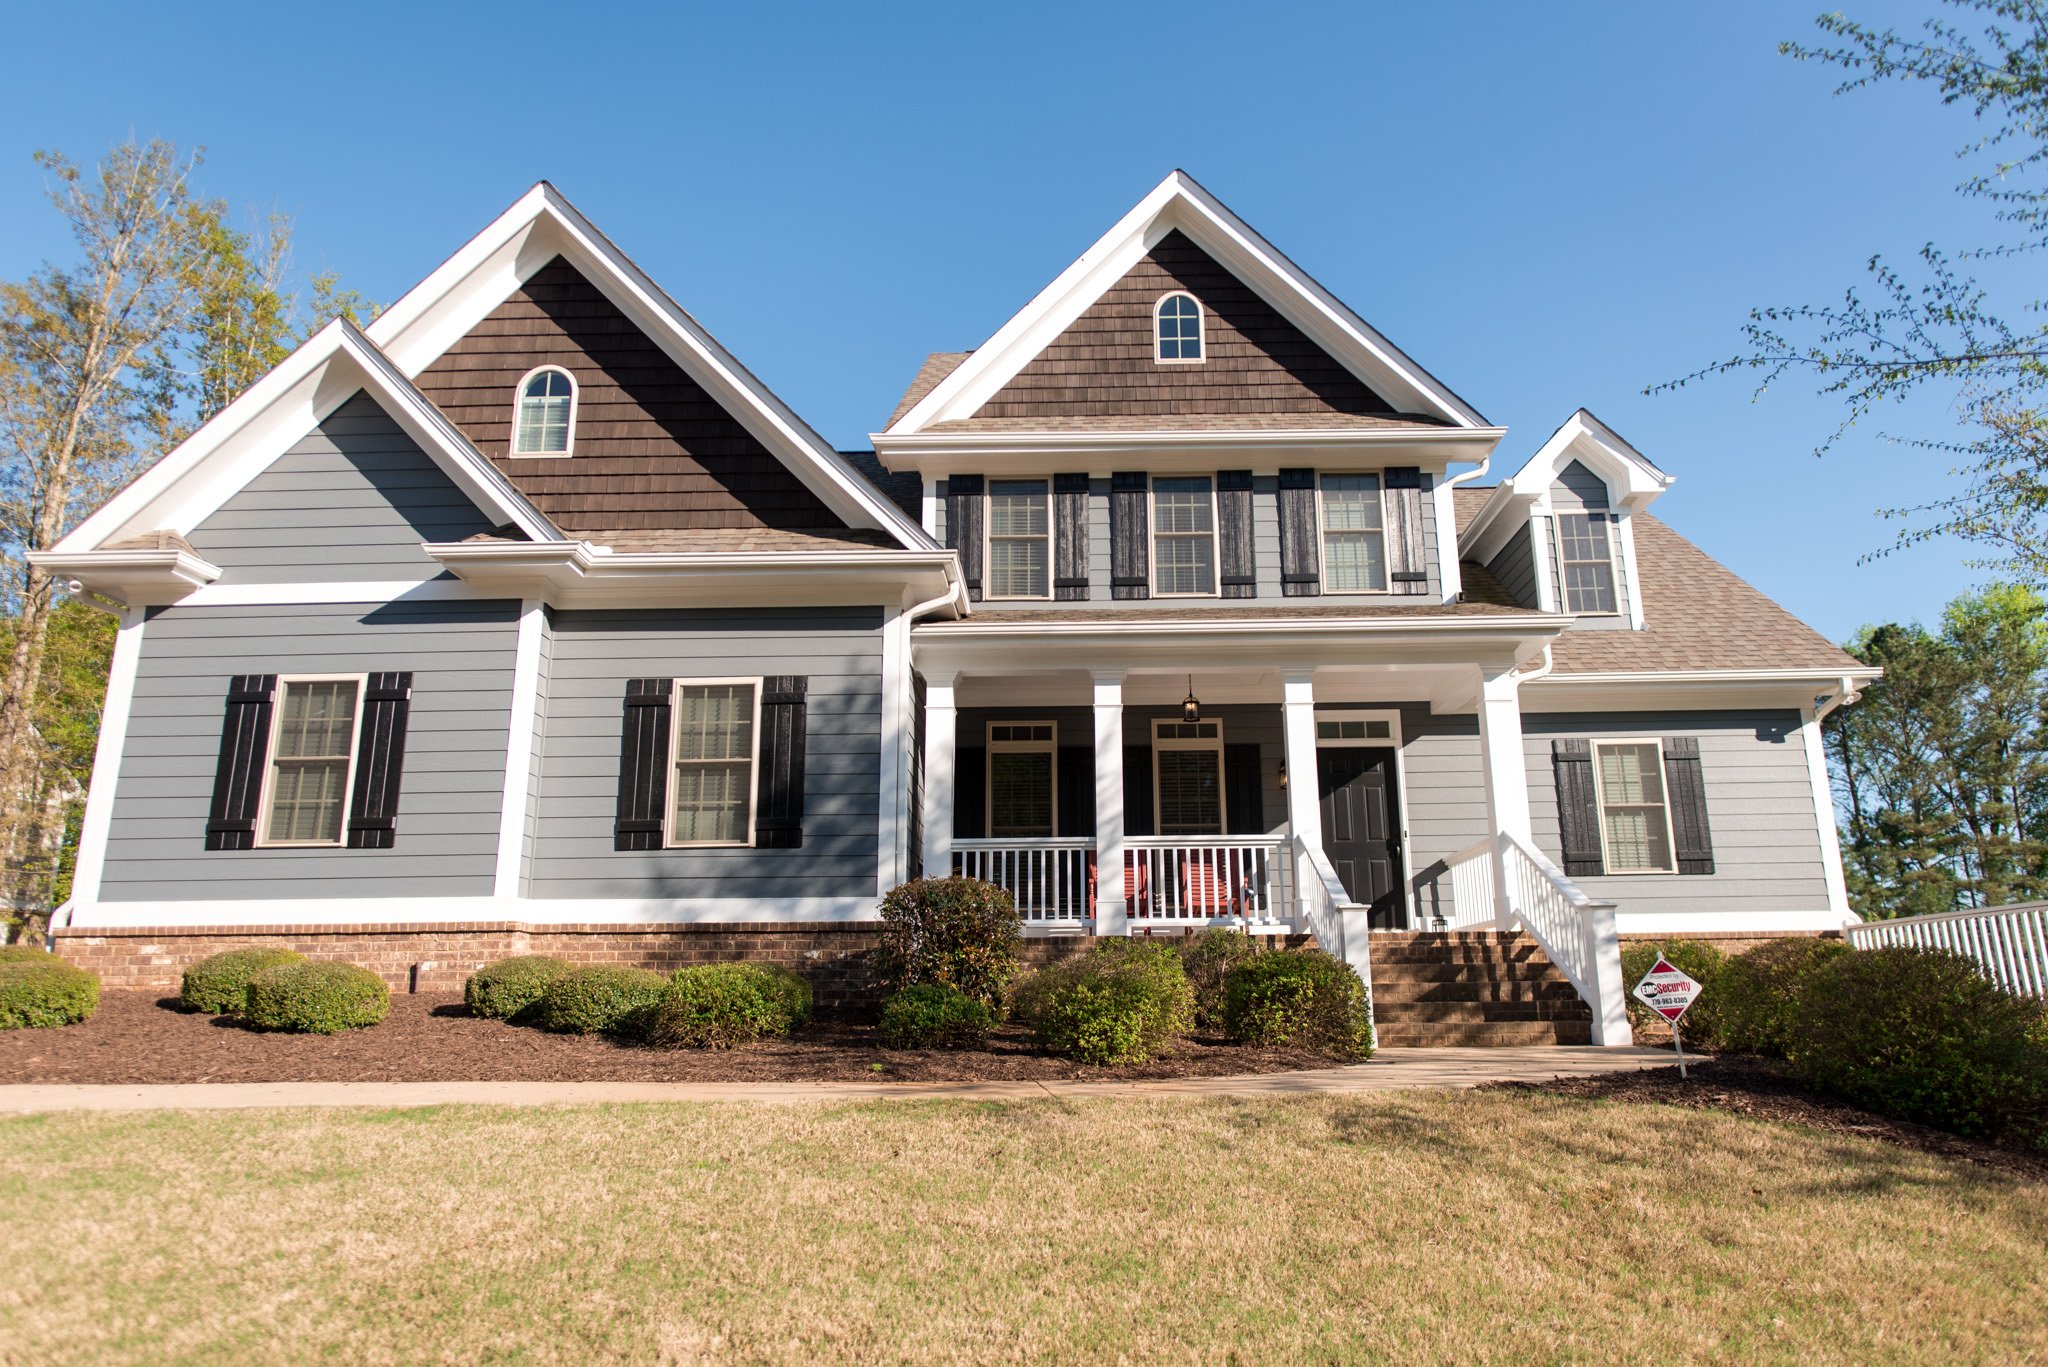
[779,807]
[1688,797]
[380,758]
[1244,802]
[1578,811]
[643,765]
[1407,560]
[1300,557]
[1076,778]
[1070,538]
[1138,814]
[244,747]
[970,796]
[1234,517]
[1130,559]
[964,511]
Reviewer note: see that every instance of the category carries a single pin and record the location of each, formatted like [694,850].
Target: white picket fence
[2010,944]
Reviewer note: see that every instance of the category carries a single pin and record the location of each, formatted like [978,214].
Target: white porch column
[1112,914]
[1304,802]
[1507,780]
[941,718]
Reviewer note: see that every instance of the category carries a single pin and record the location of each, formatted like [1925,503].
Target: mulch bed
[1766,1090]
[142,1037]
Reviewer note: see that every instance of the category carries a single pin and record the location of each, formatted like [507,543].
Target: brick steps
[1474,988]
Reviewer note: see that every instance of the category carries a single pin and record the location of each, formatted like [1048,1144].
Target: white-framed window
[1635,807]
[1354,526]
[1585,562]
[714,744]
[1177,329]
[1356,730]
[1019,538]
[1187,777]
[1023,798]
[544,413]
[1183,536]
[312,763]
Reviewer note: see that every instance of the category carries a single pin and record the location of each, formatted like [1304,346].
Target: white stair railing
[1471,887]
[1576,931]
[2010,944]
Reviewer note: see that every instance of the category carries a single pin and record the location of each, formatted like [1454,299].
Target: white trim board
[1737,922]
[106,764]
[257,913]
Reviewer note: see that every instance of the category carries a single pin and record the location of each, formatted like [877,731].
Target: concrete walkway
[1392,1070]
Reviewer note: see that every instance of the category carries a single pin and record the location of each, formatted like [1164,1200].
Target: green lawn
[1408,1227]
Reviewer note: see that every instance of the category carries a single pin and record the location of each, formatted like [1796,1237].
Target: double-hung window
[1022,800]
[1354,535]
[1187,777]
[312,760]
[714,728]
[1019,539]
[1635,810]
[1183,536]
[1585,562]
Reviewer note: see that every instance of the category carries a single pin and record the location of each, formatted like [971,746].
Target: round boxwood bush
[1702,1023]
[48,992]
[1921,1034]
[1119,1004]
[720,1006]
[1301,998]
[1757,990]
[950,930]
[1209,956]
[315,998]
[219,983]
[510,989]
[25,953]
[935,1016]
[604,997]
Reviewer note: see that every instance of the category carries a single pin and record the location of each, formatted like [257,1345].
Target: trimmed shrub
[1116,1005]
[510,989]
[718,1006]
[25,954]
[960,931]
[1757,991]
[1922,1035]
[51,992]
[315,998]
[1303,998]
[603,997]
[219,983]
[1702,1023]
[1209,957]
[935,1016]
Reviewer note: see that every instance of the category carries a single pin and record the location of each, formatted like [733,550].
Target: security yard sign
[1669,990]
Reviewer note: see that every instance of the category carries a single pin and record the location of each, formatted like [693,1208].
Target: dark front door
[1361,829]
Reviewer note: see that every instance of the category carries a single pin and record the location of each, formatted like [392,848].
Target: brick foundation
[1729,942]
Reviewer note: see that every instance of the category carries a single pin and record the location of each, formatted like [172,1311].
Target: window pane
[711,802]
[1630,774]
[1190,792]
[1017,509]
[1020,793]
[1186,565]
[1351,503]
[307,801]
[319,719]
[1355,562]
[1585,562]
[1636,840]
[714,721]
[1018,568]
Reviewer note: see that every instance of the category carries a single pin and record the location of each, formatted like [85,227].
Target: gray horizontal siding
[460,656]
[353,500]
[1766,833]
[1515,567]
[1444,776]
[592,654]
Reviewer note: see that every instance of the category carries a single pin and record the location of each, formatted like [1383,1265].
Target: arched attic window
[1177,328]
[544,419]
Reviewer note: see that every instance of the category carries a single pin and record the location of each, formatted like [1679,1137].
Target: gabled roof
[543,225]
[209,467]
[1633,481]
[1179,204]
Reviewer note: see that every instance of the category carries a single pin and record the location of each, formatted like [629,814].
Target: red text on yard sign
[1667,990]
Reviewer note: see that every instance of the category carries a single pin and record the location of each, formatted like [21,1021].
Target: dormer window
[1585,563]
[1177,328]
[544,423]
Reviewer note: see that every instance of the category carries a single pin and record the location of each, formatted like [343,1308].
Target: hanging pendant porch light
[1191,706]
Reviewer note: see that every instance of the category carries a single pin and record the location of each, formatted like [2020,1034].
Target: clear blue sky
[1547,205]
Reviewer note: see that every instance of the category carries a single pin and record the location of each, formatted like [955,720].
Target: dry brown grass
[1406,1227]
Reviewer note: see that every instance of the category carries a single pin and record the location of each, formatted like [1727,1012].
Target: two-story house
[529,617]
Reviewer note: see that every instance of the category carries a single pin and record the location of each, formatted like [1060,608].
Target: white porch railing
[2010,944]
[1577,931]
[1047,878]
[1202,879]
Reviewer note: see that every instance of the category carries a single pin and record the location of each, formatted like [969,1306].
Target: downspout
[1845,693]
[1450,486]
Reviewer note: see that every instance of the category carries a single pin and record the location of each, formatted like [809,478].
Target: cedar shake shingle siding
[652,449]
[1255,361]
